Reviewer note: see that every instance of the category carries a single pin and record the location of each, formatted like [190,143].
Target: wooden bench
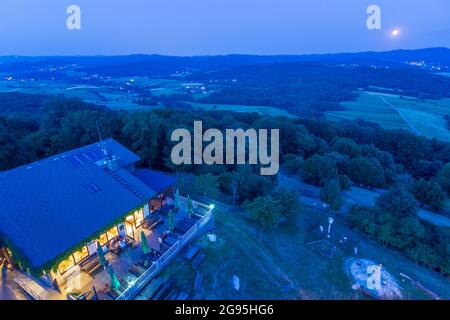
[192,251]
[198,281]
[91,266]
[152,288]
[152,222]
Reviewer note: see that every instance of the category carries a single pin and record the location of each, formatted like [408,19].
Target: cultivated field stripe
[413,128]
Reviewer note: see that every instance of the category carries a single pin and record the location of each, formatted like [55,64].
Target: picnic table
[152,222]
[152,288]
[91,266]
[117,246]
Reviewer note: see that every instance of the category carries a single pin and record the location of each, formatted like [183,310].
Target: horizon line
[219,55]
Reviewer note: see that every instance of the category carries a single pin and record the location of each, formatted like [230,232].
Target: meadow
[392,111]
[262,110]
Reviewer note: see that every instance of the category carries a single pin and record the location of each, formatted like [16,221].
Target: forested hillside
[333,156]
[308,88]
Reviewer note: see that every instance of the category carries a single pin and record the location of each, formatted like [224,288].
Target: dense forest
[415,170]
[300,88]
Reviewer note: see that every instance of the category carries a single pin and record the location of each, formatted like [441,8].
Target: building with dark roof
[70,201]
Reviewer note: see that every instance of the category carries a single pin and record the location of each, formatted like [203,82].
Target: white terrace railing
[199,209]
[30,286]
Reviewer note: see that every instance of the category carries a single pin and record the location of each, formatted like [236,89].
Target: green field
[423,117]
[157,86]
[112,94]
[263,110]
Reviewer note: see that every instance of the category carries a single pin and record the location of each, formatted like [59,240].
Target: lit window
[130,219]
[80,255]
[66,264]
[112,233]
[103,239]
[139,215]
[129,229]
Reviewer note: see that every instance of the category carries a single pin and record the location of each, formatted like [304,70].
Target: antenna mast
[101,140]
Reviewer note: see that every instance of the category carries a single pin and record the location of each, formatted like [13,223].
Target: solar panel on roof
[73,161]
[95,154]
[82,158]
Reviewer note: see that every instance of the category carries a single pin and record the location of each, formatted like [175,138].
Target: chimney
[112,162]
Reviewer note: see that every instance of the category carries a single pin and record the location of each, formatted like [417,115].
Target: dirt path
[413,128]
[309,195]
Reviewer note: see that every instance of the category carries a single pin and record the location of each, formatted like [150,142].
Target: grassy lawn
[263,110]
[427,116]
[279,265]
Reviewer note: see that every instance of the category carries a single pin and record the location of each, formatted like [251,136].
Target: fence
[159,264]
[27,288]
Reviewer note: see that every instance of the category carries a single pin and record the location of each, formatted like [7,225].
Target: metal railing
[159,264]
[25,287]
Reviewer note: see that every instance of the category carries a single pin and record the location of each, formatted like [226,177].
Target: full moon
[395,32]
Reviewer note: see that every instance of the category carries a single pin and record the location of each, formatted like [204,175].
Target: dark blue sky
[200,27]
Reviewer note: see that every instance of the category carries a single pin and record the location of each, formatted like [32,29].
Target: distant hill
[158,65]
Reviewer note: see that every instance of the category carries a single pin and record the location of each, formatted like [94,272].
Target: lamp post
[330,222]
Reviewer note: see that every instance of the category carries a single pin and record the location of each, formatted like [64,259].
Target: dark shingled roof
[51,205]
